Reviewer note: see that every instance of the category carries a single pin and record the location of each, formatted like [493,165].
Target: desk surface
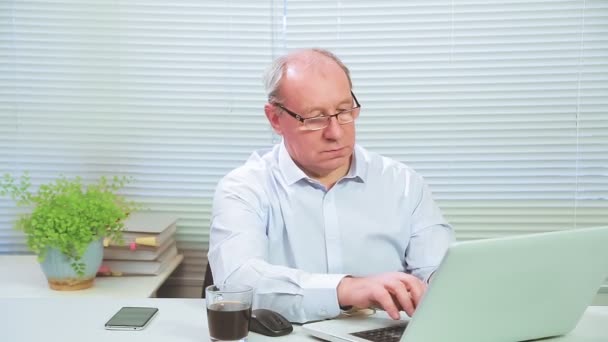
[82,319]
[22,277]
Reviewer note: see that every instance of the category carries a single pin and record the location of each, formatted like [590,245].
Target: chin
[336,163]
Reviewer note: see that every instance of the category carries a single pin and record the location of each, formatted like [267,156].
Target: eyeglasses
[321,121]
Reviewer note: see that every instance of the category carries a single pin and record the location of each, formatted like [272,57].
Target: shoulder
[392,177]
[243,192]
[252,175]
[385,168]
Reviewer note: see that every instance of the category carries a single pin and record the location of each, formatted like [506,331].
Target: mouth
[336,151]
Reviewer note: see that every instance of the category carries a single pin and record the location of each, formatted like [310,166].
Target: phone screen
[131,318]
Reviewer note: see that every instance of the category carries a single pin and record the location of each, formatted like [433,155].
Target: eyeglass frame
[303,119]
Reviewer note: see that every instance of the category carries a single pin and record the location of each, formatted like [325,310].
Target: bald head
[294,62]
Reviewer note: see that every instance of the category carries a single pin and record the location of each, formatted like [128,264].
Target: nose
[334,130]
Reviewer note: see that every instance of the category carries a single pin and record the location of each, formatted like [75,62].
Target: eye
[314,114]
[318,119]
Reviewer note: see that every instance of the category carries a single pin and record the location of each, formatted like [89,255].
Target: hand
[392,292]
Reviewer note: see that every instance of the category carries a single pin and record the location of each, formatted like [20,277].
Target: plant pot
[60,274]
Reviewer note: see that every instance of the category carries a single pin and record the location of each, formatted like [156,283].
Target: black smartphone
[131,318]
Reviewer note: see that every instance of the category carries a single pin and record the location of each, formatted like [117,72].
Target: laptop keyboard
[388,334]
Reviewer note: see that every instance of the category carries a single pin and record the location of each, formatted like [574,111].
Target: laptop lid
[512,289]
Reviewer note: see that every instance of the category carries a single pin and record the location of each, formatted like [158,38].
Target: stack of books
[149,246]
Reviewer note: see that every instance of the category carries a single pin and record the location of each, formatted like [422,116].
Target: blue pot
[60,275]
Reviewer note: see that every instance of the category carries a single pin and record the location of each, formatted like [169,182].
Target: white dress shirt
[290,238]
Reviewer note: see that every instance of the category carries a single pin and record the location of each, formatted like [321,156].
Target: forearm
[298,295]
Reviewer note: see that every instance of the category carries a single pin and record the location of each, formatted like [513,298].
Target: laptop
[507,289]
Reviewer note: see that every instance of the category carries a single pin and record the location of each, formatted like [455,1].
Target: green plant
[68,215]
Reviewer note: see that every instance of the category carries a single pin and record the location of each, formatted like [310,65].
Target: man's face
[311,91]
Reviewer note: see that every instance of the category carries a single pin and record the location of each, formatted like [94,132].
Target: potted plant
[68,223]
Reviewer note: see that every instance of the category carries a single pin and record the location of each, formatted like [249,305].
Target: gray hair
[274,73]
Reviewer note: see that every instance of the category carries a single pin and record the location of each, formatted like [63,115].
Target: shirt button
[323,312]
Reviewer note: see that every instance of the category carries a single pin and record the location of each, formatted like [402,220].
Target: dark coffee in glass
[228,321]
[228,311]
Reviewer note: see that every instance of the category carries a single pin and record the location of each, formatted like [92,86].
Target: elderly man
[318,223]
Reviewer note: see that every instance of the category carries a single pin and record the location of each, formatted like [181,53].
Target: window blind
[501,106]
[168,93]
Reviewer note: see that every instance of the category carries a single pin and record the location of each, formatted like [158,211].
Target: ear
[272,114]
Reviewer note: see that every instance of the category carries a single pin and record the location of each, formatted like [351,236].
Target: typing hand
[392,292]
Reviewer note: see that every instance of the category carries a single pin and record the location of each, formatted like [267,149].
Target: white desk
[22,277]
[82,319]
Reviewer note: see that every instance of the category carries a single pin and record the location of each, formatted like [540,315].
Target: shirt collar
[358,169]
[292,173]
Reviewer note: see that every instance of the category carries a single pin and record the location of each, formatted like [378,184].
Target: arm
[238,253]
[431,233]
[428,242]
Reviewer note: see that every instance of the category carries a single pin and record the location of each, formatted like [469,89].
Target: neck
[330,179]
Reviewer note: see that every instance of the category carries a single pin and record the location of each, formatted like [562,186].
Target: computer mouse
[269,323]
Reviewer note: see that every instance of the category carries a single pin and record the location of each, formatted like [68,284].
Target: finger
[415,286]
[416,289]
[397,304]
[385,300]
[400,292]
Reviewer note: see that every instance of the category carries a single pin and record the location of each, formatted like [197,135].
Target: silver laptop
[507,289]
